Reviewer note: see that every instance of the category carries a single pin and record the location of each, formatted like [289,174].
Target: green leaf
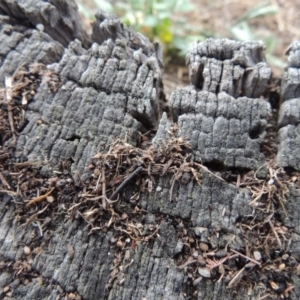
[184,6]
[150,21]
[164,15]
[122,6]
[270,43]
[275,61]
[161,6]
[242,32]
[166,36]
[104,5]
[260,10]
[130,19]
[134,4]
[183,44]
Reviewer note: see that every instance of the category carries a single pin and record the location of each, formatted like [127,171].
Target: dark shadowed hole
[255,132]
[199,78]
[274,100]
[73,138]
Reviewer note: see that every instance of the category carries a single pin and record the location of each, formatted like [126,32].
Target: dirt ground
[219,16]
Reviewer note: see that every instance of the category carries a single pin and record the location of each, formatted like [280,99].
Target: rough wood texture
[289,112]
[19,45]
[110,27]
[110,95]
[223,129]
[237,68]
[112,89]
[59,19]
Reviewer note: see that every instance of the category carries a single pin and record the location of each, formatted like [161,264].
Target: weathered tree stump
[181,223]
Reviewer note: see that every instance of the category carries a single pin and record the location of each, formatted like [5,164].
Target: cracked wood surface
[112,89]
[289,112]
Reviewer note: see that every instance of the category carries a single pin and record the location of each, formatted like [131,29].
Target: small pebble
[27,250]
[195,254]
[221,269]
[201,261]
[221,253]
[60,183]
[71,296]
[250,265]
[40,27]
[191,240]
[203,247]
[204,272]
[298,270]
[127,255]
[274,285]
[120,244]
[199,230]
[257,255]
[159,189]
[50,199]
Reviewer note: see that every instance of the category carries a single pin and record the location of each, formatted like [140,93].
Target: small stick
[131,262]
[2,178]
[236,279]
[125,182]
[221,277]
[98,181]
[171,189]
[264,297]
[38,225]
[11,193]
[147,238]
[40,198]
[103,188]
[275,233]
[238,181]
[208,171]
[33,217]
[27,163]
[247,257]
[213,264]
[188,262]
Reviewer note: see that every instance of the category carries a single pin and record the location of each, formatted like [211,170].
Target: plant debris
[266,259]
[125,164]
[111,200]
[19,90]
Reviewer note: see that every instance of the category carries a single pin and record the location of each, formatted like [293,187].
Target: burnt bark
[59,19]
[113,89]
[289,113]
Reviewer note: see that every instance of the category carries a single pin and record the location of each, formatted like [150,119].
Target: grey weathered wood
[223,125]
[107,26]
[111,89]
[20,44]
[109,95]
[237,68]
[59,19]
[289,112]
